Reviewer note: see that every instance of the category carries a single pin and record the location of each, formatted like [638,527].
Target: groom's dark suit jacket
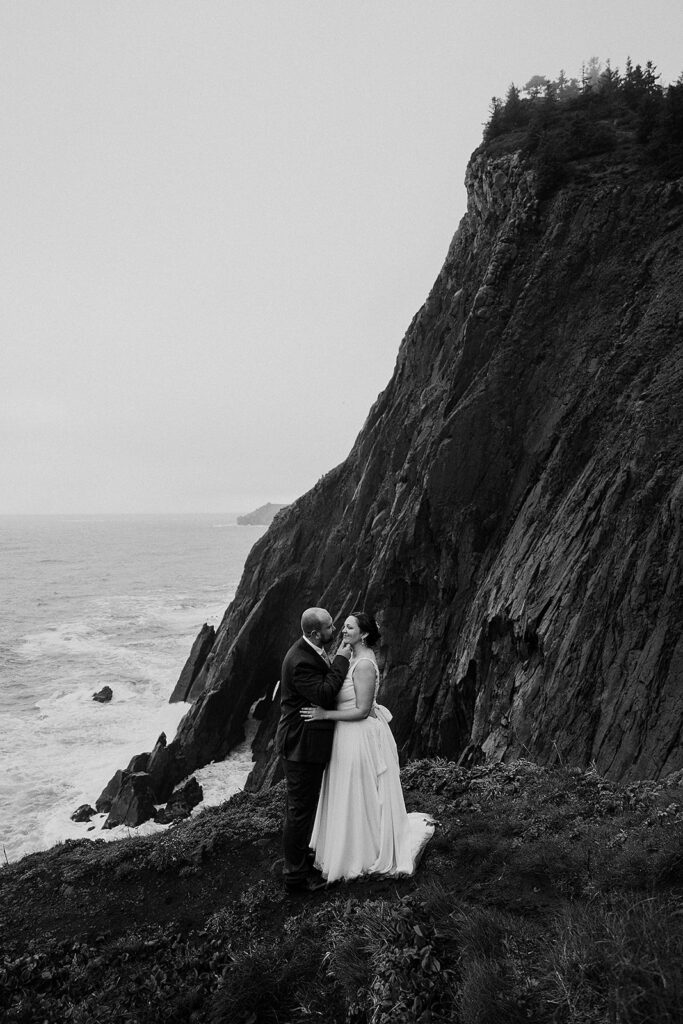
[307,679]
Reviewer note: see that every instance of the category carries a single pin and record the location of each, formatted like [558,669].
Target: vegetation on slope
[547,894]
[557,122]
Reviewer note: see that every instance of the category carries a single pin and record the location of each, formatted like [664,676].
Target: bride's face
[351,631]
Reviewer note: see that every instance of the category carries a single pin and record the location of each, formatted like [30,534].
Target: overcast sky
[218,218]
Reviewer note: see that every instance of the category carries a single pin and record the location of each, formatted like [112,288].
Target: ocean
[92,600]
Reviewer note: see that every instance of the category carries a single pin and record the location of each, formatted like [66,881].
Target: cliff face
[512,507]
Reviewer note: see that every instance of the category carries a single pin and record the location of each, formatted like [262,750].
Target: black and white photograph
[341,512]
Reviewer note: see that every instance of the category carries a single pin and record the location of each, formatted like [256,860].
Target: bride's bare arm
[364,685]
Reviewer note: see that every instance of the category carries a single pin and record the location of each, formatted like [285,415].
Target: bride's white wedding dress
[361,825]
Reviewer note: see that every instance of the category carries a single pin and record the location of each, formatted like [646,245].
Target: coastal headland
[512,508]
[512,512]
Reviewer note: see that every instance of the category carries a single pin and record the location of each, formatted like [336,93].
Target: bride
[361,825]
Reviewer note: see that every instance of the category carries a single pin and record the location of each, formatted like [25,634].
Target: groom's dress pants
[304,779]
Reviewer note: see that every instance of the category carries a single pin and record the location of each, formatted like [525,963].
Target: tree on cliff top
[565,121]
[536,86]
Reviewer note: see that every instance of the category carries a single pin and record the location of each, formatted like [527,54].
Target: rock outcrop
[512,508]
[138,763]
[183,689]
[134,802]
[104,695]
[83,813]
[181,802]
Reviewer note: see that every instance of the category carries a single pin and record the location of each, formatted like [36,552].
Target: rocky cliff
[512,508]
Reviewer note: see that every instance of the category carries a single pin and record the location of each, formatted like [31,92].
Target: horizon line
[223,512]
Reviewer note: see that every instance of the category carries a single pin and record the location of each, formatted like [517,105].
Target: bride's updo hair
[367,625]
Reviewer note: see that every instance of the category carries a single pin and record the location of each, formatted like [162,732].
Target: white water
[91,601]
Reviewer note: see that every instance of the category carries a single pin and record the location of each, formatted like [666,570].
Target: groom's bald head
[314,619]
[317,626]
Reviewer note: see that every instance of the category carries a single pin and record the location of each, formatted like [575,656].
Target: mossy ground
[545,896]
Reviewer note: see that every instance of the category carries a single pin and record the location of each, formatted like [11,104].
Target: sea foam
[90,601]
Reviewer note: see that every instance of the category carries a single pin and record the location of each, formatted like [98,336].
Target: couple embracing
[345,814]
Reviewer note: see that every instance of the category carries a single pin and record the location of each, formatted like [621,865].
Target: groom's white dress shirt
[318,650]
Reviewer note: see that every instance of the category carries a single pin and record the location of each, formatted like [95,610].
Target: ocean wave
[52,824]
[76,746]
[120,603]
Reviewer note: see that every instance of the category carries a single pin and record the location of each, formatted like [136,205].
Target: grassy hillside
[546,895]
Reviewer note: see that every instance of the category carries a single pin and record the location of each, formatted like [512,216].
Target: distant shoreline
[262,516]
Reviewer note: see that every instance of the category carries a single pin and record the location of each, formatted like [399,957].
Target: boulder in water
[134,802]
[83,813]
[137,763]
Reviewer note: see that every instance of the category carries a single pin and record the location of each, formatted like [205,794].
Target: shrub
[405,980]
[266,981]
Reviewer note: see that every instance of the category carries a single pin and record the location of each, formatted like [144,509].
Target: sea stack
[183,690]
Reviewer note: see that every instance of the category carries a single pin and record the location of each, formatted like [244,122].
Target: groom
[308,677]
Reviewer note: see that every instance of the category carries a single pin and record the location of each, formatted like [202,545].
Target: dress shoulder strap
[372,662]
